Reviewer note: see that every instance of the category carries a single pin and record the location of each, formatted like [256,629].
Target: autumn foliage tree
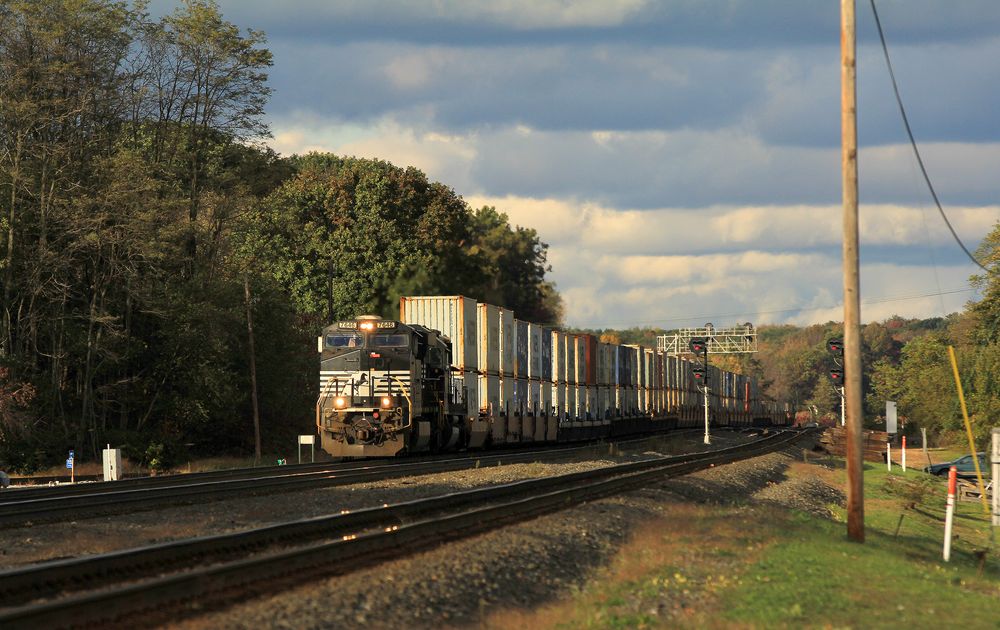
[153,251]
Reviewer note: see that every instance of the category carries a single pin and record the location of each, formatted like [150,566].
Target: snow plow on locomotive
[454,374]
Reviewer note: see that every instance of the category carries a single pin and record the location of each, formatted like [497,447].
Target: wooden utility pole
[852,300]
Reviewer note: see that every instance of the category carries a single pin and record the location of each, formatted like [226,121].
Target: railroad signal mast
[699,347]
[701,342]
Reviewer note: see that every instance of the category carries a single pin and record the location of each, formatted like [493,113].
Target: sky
[681,158]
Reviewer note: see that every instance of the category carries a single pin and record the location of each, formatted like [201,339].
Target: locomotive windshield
[344,340]
[389,341]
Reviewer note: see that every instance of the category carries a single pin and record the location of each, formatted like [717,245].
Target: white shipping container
[468,382]
[546,398]
[488,333]
[508,403]
[508,342]
[535,404]
[489,394]
[581,359]
[453,316]
[559,400]
[571,408]
[558,357]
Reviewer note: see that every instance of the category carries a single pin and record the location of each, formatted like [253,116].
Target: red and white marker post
[949,514]
[904,453]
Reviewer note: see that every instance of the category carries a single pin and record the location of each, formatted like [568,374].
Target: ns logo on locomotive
[454,374]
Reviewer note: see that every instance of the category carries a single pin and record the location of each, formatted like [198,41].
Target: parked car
[964,466]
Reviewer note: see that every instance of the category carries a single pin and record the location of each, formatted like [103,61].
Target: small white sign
[890,416]
[307,439]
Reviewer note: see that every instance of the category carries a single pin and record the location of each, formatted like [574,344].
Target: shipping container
[615,364]
[593,410]
[523,349]
[569,357]
[559,400]
[467,386]
[507,393]
[488,333]
[571,401]
[536,356]
[546,407]
[604,403]
[454,317]
[489,394]
[508,342]
[558,357]
[521,405]
[603,364]
[547,374]
[536,406]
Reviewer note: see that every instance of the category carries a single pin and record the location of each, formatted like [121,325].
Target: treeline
[153,251]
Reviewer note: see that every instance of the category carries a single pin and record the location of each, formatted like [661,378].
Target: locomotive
[386,388]
[389,387]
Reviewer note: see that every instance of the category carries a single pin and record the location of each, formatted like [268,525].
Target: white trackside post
[707,438]
[904,453]
[949,512]
[888,456]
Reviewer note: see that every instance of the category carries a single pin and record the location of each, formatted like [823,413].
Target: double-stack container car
[454,374]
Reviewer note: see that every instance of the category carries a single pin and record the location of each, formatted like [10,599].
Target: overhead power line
[913,143]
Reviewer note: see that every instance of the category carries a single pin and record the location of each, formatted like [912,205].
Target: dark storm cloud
[785,99]
[770,66]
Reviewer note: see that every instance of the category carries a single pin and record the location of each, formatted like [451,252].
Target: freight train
[455,374]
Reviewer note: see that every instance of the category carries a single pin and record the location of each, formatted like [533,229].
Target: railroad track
[96,499]
[155,580]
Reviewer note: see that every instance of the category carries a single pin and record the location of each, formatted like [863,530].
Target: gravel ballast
[30,543]
[519,566]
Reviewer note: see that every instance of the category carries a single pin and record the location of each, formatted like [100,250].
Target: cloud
[716,23]
[767,264]
[681,158]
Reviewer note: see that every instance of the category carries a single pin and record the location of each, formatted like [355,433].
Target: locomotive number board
[355,325]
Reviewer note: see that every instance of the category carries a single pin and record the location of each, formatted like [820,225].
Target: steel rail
[110,497]
[91,484]
[360,539]
[20,493]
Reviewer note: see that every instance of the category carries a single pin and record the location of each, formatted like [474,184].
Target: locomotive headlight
[368,326]
[340,402]
[386,402]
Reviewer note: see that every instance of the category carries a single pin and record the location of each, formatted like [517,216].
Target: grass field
[762,566]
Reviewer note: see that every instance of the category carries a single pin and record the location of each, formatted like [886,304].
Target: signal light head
[698,346]
[837,376]
[699,374]
[835,346]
